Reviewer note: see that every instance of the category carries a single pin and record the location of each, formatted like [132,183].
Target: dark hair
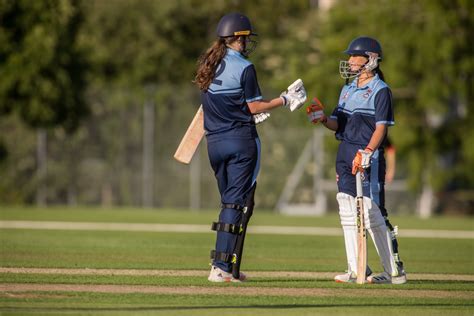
[209,61]
[379,72]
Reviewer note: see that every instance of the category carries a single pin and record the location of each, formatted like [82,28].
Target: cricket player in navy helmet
[233,104]
[360,121]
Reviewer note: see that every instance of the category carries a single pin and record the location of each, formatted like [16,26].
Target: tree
[42,66]
[429,65]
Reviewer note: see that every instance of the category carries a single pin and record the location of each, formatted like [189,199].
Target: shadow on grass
[184,308]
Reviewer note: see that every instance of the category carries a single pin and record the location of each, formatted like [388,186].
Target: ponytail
[379,72]
[208,63]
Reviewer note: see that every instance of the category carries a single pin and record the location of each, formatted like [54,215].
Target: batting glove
[315,112]
[260,117]
[362,160]
[295,96]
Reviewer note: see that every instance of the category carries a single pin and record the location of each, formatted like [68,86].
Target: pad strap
[234,206]
[225,227]
[222,256]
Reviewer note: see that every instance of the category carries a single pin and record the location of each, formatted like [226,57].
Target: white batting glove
[295,96]
[260,117]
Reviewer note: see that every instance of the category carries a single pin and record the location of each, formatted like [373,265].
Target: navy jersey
[226,112]
[361,109]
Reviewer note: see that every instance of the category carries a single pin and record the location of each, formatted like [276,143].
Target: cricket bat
[361,232]
[191,139]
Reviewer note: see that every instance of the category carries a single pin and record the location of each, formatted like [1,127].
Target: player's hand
[260,117]
[315,112]
[362,160]
[295,96]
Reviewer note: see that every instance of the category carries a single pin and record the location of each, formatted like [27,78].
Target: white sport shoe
[345,278]
[385,278]
[350,277]
[382,278]
[219,275]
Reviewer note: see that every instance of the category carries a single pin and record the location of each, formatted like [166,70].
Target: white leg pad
[373,215]
[381,236]
[347,213]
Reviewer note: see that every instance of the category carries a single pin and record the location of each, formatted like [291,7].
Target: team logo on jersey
[367,94]
[345,95]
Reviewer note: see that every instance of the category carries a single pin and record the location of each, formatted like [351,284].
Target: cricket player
[233,104]
[360,122]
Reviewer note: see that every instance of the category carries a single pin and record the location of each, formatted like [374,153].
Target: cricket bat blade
[191,139]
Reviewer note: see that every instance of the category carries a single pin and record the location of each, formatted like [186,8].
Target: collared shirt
[361,109]
[225,102]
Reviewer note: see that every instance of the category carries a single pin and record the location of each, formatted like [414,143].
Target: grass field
[75,271]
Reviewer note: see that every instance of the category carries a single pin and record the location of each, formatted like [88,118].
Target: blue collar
[232,51]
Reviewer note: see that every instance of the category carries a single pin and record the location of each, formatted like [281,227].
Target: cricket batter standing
[360,121]
[233,104]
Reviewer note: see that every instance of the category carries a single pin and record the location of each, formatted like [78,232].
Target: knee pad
[347,213]
[347,209]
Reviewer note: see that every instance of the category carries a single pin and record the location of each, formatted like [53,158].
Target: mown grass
[205,217]
[132,304]
[151,250]
[294,282]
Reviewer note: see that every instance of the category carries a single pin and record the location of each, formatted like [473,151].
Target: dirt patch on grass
[236,290]
[203,273]
[29,295]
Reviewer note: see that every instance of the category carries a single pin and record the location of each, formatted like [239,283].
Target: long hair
[209,61]
[379,72]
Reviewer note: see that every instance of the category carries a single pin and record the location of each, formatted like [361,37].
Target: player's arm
[293,98]
[330,123]
[377,136]
[383,119]
[264,105]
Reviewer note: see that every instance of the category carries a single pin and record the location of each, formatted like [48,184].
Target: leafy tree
[429,65]
[42,67]
[43,78]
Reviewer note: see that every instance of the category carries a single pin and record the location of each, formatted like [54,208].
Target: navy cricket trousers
[235,162]
[373,183]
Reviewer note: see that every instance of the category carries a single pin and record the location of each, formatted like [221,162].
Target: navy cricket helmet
[234,24]
[362,45]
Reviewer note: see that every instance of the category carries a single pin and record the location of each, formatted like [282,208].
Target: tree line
[81,71]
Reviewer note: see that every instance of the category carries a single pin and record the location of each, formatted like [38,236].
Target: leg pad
[226,227]
[222,256]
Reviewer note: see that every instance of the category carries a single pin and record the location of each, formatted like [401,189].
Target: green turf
[261,217]
[94,303]
[151,250]
[293,282]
